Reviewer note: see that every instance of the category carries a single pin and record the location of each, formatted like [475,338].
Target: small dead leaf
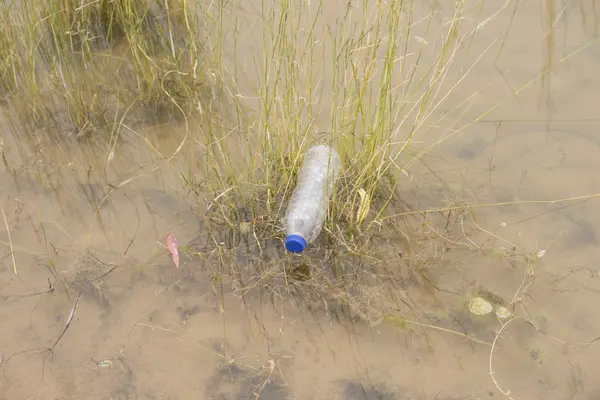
[503,312]
[173,248]
[364,206]
[479,306]
[541,254]
[105,364]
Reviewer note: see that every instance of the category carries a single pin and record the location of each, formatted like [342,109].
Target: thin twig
[438,328]
[483,205]
[12,251]
[69,320]
[507,393]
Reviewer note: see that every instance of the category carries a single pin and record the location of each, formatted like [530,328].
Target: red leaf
[173,249]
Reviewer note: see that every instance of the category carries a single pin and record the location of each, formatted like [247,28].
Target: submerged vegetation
[361,78]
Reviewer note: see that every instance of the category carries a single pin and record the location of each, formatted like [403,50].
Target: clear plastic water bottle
[308,205]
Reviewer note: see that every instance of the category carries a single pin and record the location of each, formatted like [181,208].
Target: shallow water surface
[144,329]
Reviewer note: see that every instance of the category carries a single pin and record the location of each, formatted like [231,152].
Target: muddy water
[83,222]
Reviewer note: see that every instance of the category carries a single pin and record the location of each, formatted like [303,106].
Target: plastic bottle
[308,205]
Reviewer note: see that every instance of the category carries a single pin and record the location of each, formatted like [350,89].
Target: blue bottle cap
[295,243]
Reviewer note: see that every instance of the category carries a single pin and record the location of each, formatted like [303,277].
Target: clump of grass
[103,63]
[382,89]
[9,60]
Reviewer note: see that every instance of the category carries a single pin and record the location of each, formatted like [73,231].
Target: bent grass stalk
[12,250]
